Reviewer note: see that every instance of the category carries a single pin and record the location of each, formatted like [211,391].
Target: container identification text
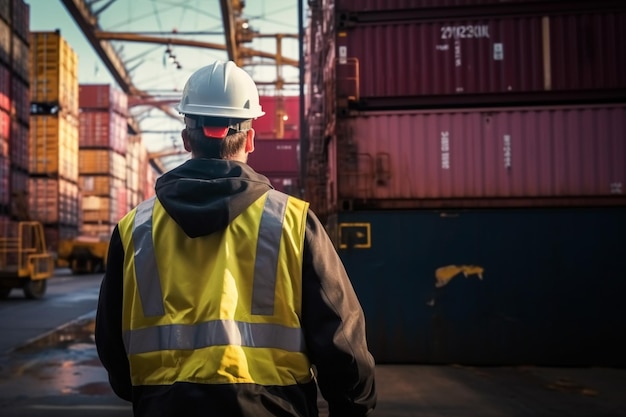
[464,31]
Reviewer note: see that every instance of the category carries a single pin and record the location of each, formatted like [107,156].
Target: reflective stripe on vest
[216,332]
[146,271]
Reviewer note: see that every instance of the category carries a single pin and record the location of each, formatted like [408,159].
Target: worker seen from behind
[222,296]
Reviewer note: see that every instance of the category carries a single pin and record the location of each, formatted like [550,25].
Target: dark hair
[205,147]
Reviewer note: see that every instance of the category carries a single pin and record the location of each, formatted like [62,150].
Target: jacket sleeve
[108,330]
[334,326]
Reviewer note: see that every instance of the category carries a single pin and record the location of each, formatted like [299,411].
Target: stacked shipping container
[53,136]
[14,111]
[277,143]
[103,157]
[464,138]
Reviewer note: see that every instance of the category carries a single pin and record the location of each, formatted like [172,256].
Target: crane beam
[88,23]
[133,37]
[229,30]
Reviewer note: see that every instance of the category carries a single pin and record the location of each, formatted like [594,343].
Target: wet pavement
[59,374]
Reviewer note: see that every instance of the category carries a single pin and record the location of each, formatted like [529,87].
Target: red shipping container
[379,5]
[269,125]
[5,88]
[276,156]
[104,130]
[507,55]
[102,97]
[514,156]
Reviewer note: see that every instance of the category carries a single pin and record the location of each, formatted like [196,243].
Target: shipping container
[53,201]
[18,142]
[528,156]
[5,88]
[102,97]
[54,73]
[54,146]
[4,180]
[286,183]
[20,19]
[275,155]
[20,104]
[444,5]
[103,130]
[504,59]
[5,43]
[281,119]
[489,287]
[98,161]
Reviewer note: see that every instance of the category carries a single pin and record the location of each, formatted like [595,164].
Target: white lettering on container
[444,47]
[445,150]
[343,54]
[457,53]
[507,151]
[616,188]
[464,32]
[498,51]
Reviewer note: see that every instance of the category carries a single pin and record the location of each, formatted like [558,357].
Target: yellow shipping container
[53,71]
[102,161]
[103,185]
[53,149]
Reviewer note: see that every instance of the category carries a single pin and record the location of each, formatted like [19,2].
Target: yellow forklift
[24,259]
[84,254]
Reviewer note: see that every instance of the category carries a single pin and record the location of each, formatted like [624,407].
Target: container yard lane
[48,361]
[49,367]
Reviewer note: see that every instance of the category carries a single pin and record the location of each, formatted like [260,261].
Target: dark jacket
[203,196]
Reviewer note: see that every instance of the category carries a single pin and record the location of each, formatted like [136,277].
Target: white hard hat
[221,90]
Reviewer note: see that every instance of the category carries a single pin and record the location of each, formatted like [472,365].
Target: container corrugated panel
[98,161]
[53,200]
[103,129]
[100,209]
[5,11]
[5,88]
[289,184]
[502,56]
[18,142]
[20,99]
[379,5]
[5,126]
[5,42]
[54,71]
[103,185]
[275,155]
[510,155]
[4,179]
[490,287]
[269,126]
[54,146]
[102,97]
[96,229]
[21,18]
[4,147]
[20,57]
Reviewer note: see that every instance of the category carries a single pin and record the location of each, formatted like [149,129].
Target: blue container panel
[543,287]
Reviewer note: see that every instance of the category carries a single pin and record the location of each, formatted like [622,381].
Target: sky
[148,63]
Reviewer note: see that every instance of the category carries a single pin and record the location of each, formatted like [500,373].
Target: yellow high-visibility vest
[222,308]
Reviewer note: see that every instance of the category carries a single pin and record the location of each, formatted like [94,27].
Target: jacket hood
[205,195]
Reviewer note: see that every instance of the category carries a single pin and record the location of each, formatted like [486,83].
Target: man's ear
[250,141]
[185,135]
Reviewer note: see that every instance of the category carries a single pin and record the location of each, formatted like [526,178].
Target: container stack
[277,142]
[14,111]
[53,136]
[278,160]
[103,150]
[468,159]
